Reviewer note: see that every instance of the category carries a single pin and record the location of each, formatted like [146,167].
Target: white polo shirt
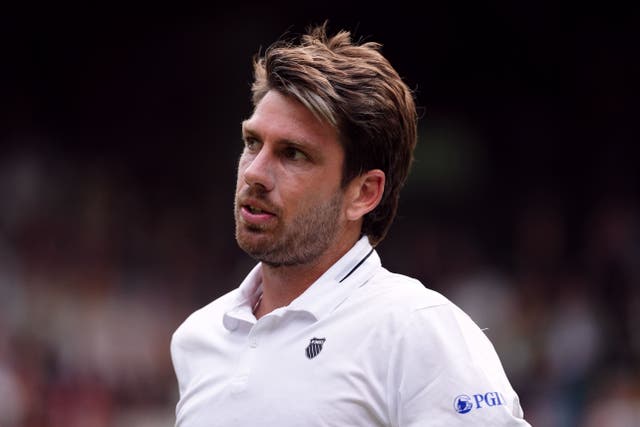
[363,347]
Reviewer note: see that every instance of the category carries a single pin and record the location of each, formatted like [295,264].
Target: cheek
[238,180]
[242,166]
[305,196]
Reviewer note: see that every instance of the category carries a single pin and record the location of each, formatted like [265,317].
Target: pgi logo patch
[462,404]
[315,347]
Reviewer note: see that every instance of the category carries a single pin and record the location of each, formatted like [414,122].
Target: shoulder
[438,355]
[421,315]
[399,292]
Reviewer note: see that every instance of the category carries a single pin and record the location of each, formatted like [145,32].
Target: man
[319,333]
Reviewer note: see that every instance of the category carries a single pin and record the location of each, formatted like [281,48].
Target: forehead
[282,117]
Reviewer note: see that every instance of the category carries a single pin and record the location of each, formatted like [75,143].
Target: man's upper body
[319,334]
[360,347]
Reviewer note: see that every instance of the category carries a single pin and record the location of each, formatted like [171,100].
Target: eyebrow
[243,128]
[299,143]
[248,131]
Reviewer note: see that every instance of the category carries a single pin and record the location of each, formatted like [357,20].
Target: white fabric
[394,354]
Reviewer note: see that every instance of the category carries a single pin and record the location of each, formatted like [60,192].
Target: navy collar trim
[357,265]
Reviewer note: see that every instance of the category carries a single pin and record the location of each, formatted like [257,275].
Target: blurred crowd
[93,281]
[94,278]
[562,309]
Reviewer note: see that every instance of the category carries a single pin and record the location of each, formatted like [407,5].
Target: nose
[257,169]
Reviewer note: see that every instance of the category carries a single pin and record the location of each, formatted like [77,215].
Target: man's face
[289,204]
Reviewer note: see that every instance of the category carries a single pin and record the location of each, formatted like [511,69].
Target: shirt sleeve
[178,361]
[444,371]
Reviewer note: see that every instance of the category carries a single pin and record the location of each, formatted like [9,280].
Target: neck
[283,284]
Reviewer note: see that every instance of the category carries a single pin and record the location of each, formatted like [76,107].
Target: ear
[364,193]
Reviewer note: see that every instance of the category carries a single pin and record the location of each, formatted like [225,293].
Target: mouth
[255,214]
[255,210]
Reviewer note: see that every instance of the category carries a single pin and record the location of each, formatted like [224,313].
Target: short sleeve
[444,371]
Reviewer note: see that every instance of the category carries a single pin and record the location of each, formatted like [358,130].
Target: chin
[252,243]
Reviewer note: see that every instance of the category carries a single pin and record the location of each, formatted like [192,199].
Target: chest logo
[315,347]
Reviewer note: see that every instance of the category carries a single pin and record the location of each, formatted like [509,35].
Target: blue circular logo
[462,404]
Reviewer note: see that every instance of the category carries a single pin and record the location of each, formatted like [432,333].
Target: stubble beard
[299,242]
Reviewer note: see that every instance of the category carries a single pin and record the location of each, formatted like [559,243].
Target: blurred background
[119,135]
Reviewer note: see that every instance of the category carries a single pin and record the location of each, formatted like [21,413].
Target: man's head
[355,89]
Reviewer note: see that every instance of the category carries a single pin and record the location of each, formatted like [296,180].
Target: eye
[294,153]
[251,144]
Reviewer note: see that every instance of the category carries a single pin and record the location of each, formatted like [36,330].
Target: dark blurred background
[119,134]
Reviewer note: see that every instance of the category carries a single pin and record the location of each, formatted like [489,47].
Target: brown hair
[355,89]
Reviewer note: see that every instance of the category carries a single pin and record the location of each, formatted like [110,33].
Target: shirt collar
[336,284]
[247,295]
[323,296]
